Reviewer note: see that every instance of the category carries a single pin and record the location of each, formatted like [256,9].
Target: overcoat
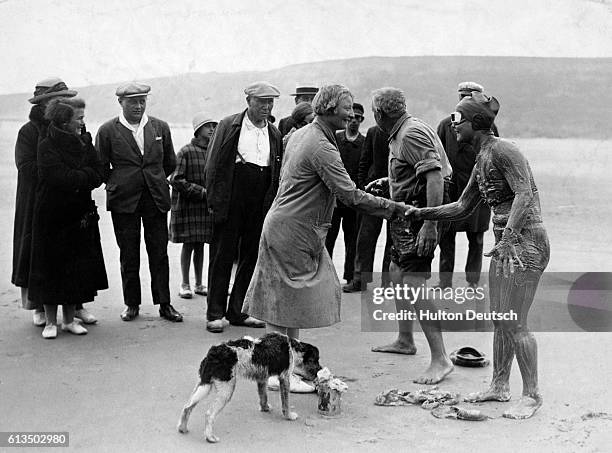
[67,266]
[26,149]
[295,283]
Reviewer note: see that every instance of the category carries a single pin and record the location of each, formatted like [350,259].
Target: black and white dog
[273,354]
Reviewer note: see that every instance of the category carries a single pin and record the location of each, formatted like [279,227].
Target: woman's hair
[328,98]
[390,101]
[60,111]
[301,111]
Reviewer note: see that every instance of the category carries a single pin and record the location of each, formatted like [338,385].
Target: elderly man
[350,142]
[26,149]
[462,158]
[303,93]
[137,154]
[242,174]
[417,168]
[502,177]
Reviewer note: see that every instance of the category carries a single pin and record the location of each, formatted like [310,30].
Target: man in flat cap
[462,158]
[503,179]
[303,93]
[417,168]
[26,150]
[242,175]
[138,156]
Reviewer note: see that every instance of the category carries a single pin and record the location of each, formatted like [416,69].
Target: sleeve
[441,131]
[179,181]
[212,159]
[329,167]
[103,147]
[94,164]
[54,171]
[419,151]
[25,154]
[169,162]
[366,159]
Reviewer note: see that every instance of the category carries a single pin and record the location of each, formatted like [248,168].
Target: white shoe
[50,331]
[38,318]
[296,384]
[75,328]
[85,316]
[185,292]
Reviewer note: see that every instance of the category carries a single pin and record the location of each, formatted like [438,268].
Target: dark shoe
[130,313]
[168,312]
[249,322]
[354,287]
[215,326]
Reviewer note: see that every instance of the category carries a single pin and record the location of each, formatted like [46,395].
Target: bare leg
[283,379]
[197,395]
[224,391]
[186,261]
[198,261]
[440,365]
[51,314]
[262,390]
[404,344]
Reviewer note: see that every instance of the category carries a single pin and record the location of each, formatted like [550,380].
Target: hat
[480,109]
[50,88]
[200,119]
[359,107]
[132,89]
[469,87]
[262,90]
[301,89]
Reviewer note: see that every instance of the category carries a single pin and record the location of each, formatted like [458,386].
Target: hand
[506,255]
[427,239]
[379,187]
[412,213]
[400,209]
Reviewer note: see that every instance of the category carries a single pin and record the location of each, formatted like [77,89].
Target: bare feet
[493,394]
[397,347]
[436,372]
[525,407]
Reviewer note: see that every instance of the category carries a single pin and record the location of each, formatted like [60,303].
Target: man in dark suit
[242,175]
[303,93]
[462,158]
[138,156]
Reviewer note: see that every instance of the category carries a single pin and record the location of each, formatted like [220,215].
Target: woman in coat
[67,266]
[295,285]
[190,222]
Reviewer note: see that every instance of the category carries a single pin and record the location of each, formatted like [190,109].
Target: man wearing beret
[462,158]
[303,93]
[138,156]
[242,175]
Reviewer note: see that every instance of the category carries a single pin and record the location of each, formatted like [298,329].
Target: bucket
[329,401]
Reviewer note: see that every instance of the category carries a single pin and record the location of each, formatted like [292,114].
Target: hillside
[540,97]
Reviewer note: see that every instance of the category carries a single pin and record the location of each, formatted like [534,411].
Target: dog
[274,354]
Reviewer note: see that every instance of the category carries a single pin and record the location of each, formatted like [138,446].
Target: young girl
[190,222]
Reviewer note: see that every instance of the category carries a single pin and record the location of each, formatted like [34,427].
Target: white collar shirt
[254,143]
[137,132]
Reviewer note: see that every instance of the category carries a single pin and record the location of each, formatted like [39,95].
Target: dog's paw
[182,428]
[265,408]
[291,416]
[212,438]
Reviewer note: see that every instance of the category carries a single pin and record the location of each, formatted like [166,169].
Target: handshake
[380,188]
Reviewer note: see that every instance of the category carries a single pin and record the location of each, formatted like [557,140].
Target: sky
[105,41]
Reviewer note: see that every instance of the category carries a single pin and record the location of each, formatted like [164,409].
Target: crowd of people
[270,202]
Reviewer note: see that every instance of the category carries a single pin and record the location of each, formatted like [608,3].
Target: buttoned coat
[127,171]
[221,161]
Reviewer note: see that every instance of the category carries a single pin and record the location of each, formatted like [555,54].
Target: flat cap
[469,87]
[132,89]
[200,119]
[262,90]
